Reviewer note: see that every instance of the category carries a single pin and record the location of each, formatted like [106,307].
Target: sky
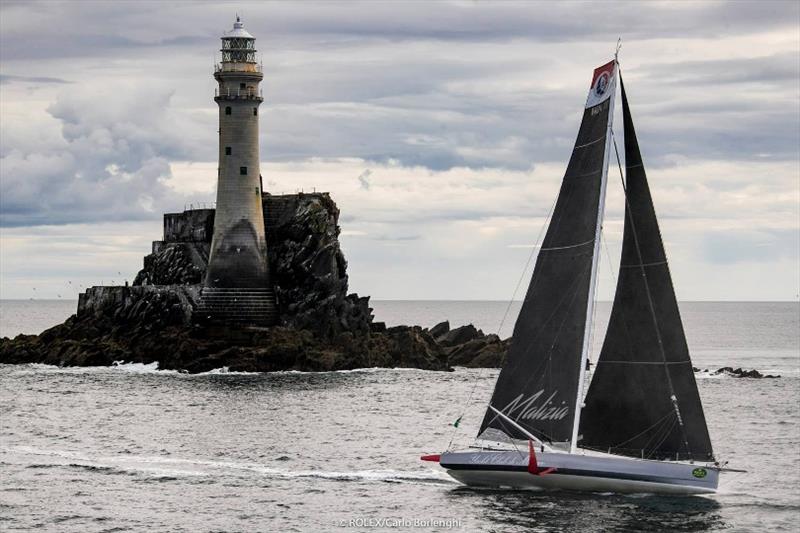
[441,129]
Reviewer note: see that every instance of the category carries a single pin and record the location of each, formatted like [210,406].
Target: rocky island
[320,326]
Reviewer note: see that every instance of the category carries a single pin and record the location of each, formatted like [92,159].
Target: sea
[135,448]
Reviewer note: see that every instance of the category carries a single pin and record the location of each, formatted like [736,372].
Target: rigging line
[604,243]
[656,423]
[505,314]
[667,425]
[571,292]
[535,372]
[666,434]
[651,305]
[608,256]
[513,443]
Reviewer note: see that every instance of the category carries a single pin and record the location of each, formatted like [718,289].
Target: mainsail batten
[538,385]
[643,399]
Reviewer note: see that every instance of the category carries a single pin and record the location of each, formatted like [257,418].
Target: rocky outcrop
[458,336]
[488,351]
[308,269]
[735,372]
[172,264]
[148,326]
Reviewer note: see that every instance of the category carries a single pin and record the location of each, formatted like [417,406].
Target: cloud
[457,121]
[758,246]
[363,179]
[112,162]
[7,78]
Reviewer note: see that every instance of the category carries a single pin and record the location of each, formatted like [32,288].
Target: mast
[587,332]
[538,384]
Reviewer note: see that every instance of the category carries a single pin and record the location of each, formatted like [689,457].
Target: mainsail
[538,385]
[643,399]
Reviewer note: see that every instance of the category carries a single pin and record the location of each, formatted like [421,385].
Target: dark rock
[440,329]
[459,335]
[378,327]
[483,352]
[174,264]
[741,373]
[308,268]
[410,347]
[97,339]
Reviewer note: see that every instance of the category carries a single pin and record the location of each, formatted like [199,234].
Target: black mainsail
[538,385]
[643,399]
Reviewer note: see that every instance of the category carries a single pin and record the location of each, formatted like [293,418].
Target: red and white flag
[603,84]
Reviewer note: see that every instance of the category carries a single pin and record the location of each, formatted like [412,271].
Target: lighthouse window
[227,150]
[242,86]
[243,171]
[228,110]
[255,111]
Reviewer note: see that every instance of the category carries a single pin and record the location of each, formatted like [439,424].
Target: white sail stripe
[568,246]
[589,143]
[640,265]
[579,176]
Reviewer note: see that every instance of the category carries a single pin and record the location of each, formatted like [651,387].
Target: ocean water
[132,448]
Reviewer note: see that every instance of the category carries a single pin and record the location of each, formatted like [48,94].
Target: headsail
[643,399]
[537,386]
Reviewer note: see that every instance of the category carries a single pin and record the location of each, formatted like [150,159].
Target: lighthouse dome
[238,30]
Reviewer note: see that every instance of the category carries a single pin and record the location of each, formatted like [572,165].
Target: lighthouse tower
[237,286]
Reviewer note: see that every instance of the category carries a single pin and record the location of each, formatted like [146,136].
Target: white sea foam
[153,368]
[141,368]
[369,370]
[163,466]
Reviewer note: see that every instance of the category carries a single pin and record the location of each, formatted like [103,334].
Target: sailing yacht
[640,427]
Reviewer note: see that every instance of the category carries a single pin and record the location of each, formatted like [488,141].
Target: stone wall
[195,225]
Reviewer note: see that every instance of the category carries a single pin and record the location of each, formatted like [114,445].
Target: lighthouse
[237,285]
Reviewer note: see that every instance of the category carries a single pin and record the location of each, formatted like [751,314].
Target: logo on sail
[601,88]
[602,84]
[522,408]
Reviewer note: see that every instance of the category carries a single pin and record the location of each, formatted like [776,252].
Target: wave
[161,467]
[117,366]
[369,370]
[153,368]
[131,368]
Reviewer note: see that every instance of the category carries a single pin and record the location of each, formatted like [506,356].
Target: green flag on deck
[458,421]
